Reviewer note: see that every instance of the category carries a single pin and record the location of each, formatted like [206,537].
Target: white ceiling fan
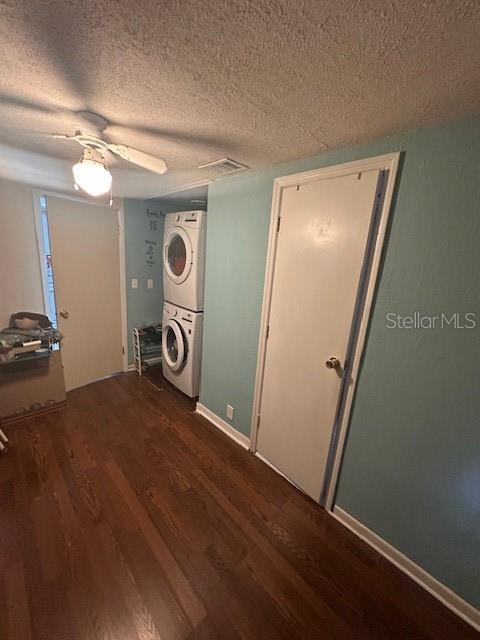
[91,173]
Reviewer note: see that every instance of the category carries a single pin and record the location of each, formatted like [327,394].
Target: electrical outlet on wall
[230,411]
[134,283]
[149,283]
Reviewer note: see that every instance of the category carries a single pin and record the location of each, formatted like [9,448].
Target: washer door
[174,348]
[177,255]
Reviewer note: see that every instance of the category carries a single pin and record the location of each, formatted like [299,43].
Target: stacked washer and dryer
[183,284]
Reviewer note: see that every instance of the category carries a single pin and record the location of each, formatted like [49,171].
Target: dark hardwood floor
[126,517]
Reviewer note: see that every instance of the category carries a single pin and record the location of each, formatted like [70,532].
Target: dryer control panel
[187,218]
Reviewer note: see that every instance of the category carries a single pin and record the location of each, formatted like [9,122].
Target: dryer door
[177,255]
[174,345]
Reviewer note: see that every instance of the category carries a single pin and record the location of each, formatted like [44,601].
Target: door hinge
[278,223]
[268,332]
[123,350]
[258,422]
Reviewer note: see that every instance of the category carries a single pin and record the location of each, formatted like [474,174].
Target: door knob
[333,363]
[64,313]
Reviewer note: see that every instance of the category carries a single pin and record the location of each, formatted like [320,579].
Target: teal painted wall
[143,305]
[411,470]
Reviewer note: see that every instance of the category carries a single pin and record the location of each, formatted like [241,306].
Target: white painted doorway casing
[321,271]
[85,258]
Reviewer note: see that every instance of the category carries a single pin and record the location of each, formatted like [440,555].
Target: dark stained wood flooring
[127,517]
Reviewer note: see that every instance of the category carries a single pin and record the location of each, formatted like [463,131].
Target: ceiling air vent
[224,166]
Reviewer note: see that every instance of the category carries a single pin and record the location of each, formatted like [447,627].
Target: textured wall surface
[412,465]
[264,82]
[20,278]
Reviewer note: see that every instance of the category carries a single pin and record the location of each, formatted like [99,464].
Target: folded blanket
[15,337]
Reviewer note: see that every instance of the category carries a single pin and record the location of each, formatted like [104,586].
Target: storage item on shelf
[30,384]
[31,371]
[28,335]
[147,346]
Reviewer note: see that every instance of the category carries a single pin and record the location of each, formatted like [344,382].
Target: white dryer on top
[184,259]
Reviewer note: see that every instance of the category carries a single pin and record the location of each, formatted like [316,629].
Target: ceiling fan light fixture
[91,173]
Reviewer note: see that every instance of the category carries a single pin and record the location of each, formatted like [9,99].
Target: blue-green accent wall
[411,469]
[144,306]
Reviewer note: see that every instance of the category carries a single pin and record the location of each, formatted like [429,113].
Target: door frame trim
[388,162]
[119,208]
[123,280]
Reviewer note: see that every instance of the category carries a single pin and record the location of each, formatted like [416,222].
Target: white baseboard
[131,367]
[239,438]
[446,596]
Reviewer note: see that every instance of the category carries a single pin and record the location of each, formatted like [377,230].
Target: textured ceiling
[262,81]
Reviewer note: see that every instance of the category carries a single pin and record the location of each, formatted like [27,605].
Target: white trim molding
[123,282]
[389,164]
[179,189]
[232,433]
[446,596]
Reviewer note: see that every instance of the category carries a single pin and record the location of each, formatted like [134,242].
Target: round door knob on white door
[333,363]
[64,313]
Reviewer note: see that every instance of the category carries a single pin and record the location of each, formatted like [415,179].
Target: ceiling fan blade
[117,131]
[140,158]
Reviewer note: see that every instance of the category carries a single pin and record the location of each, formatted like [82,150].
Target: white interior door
[85,256]
[320,252]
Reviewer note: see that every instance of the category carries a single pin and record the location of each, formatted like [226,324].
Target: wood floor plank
[188,599]
[112,563]
[125,516]
[48,537]
[16,603]
[289,573]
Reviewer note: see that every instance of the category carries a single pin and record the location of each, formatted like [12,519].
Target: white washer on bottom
[182,348]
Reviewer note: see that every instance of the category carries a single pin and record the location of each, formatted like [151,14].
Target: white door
[84,243]
[320,251]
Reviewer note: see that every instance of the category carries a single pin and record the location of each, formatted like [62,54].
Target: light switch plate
[230,411]
[134,283]
[150,283]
